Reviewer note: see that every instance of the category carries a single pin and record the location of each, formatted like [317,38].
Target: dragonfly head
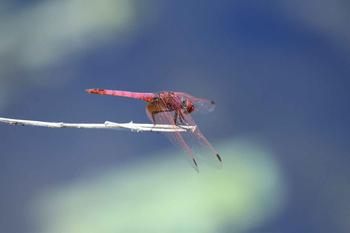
[187,105]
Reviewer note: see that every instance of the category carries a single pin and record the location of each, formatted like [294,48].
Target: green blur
[166,195]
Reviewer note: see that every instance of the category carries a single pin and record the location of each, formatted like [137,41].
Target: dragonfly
[175,108]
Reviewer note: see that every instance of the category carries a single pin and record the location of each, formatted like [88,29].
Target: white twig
[106,125]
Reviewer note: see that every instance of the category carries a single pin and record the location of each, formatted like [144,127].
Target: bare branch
[106,125]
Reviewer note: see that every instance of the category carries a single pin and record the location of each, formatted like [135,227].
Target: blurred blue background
[278,71]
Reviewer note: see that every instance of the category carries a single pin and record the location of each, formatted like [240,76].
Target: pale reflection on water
[166,195]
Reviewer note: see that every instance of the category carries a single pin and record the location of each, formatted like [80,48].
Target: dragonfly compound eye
[189,107]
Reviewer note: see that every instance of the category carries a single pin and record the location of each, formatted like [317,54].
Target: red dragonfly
[174,108]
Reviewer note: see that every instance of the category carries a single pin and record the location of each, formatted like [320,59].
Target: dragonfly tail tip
[95,91]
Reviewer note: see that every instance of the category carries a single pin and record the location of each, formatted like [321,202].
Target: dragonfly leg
[153,118]
[181,117]
[176,116]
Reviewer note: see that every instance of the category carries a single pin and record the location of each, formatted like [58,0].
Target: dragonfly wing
[200,144]
[175,138]
[200,104]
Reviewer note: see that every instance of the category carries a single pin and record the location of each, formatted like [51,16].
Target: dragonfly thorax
[169,101]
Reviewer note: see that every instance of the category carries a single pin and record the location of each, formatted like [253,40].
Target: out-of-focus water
[278,72]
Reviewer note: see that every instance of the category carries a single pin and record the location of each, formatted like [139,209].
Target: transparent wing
[200,144]
[175,138]
[200,104]
[193,143]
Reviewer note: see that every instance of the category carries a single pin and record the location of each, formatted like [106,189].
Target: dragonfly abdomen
[148,97]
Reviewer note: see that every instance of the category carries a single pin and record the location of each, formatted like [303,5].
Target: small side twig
[106,125]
